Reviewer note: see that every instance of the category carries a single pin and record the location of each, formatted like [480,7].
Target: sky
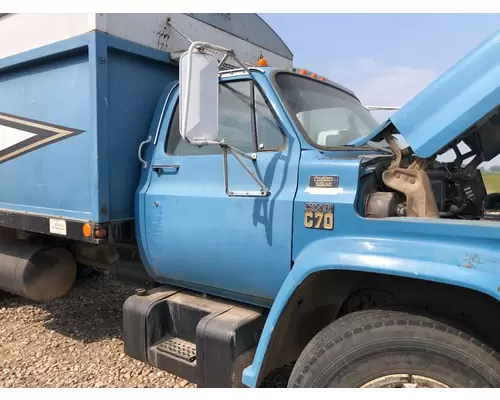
[386,59]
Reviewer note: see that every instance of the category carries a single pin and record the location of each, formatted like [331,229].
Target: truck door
[198,236]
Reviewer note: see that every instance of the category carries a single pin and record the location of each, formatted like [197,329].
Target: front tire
[377,348]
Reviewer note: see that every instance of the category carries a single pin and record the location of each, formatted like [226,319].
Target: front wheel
[392,349]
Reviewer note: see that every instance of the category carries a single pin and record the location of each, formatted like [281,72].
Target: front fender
[473,265]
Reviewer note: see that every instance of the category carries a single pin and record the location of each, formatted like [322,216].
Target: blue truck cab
[270,222]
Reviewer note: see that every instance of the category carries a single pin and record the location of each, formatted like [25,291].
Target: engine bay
[409,186]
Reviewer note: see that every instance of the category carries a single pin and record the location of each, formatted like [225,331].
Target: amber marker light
[87,230]
[262,62]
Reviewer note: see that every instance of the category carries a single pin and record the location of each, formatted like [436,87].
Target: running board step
[178,348]
[205,340]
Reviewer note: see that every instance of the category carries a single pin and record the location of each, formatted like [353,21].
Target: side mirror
[199,97]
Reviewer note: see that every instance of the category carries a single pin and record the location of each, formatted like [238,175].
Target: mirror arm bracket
[263,192]
[204,45]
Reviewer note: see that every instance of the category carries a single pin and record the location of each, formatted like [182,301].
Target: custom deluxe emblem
[20,135]
[324,181]
[324,185]
[318,216]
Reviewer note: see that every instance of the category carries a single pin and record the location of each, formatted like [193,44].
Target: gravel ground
[72,342]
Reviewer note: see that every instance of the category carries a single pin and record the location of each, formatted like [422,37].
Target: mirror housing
[199,108]
[198,97]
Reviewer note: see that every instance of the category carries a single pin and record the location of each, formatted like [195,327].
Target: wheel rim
[404,381]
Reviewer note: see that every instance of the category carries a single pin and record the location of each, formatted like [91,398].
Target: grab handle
[139,152]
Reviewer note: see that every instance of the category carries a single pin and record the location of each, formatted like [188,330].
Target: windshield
[328,116]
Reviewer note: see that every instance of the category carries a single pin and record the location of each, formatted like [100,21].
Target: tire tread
[368,320]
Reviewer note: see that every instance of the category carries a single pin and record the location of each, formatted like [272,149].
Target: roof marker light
[262,62]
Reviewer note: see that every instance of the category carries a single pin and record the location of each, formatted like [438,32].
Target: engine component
[491,207]
[36,271]
[491,215]
[492,201]
[413,182]
[439,188]
[401,210]
[459,191]
[416,186]
[381,204]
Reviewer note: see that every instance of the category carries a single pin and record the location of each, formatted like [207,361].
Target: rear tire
[377,348]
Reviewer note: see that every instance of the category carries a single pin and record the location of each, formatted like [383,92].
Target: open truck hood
[464,99]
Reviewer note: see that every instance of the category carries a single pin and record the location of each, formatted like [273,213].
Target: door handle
[160,167]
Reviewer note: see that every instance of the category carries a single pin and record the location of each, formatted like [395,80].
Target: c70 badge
[318,216]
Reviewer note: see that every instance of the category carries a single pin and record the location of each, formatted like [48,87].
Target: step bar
[205,340]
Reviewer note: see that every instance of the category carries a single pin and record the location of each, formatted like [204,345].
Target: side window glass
[178,147]
[235,115]
[235,123]
[269,133]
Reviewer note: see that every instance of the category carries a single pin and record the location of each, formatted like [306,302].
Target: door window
[243,115]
